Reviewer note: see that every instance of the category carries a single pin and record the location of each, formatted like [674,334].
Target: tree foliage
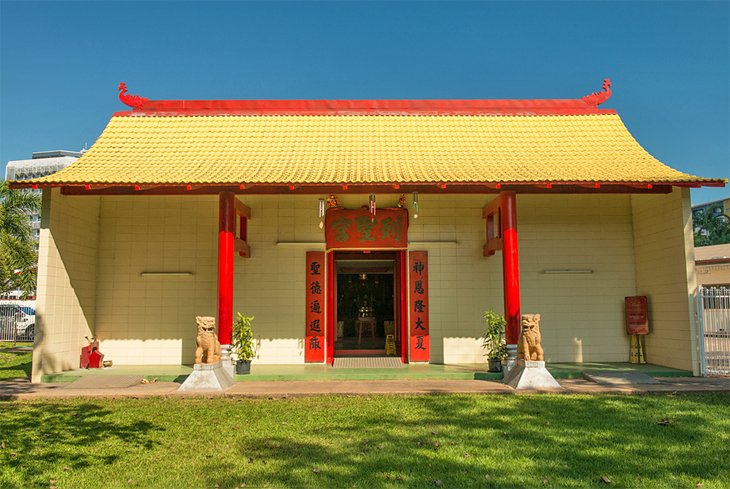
[18,258]
[710,227]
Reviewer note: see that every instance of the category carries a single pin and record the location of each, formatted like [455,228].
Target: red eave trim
[253,189]
[365,107]
[389,187]
[713,261]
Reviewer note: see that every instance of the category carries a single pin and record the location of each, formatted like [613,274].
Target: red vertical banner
[314,345]
[420,348]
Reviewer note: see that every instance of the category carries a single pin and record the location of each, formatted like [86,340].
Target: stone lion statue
[529,347]
[209,349]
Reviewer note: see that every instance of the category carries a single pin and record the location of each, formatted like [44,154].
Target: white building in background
[42,163]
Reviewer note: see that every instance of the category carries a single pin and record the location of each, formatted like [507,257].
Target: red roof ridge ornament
[134,101]
[597,98]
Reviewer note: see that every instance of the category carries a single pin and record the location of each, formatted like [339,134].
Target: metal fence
[16,324]
[713,318]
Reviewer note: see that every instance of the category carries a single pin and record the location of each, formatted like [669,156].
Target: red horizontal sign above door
[358,229]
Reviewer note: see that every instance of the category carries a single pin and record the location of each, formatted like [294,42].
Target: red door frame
[331,310]
[400,310]
[403,304]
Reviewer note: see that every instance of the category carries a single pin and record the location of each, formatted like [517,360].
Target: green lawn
[506,441]
[14,364]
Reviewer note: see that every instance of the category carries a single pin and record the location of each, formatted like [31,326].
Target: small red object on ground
[91,357]
[85,351]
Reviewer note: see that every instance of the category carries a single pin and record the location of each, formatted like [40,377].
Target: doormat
[610,377]
[105,382]
[367,362]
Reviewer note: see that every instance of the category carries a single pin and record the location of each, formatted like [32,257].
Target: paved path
[22,389]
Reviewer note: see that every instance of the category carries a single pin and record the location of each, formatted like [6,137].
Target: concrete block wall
[664,250]
[582,314]
[462,282]
[67,257]
[271,284]
[94,251]
[151,319]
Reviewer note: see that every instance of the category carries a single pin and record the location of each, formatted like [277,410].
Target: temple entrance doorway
[367,304]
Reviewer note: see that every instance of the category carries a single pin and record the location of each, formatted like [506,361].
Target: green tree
[18,259]
[711,227]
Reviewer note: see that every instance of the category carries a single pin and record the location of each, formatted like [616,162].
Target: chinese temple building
[363,227]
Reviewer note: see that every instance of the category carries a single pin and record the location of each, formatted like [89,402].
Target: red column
[226,252]
[510,266]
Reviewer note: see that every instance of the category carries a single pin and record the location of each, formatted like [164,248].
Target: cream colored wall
[93,251]
[66,281]
[582,315]
[151,320]
[271,285]
[665,273]
[462,284]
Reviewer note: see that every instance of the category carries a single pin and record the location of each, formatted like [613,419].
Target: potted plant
[493,340]
[242,343]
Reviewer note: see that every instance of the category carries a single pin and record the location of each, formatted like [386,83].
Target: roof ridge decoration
[597,98]
[134,101]
[142,106]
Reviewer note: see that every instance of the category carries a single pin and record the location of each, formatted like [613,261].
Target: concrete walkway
[24,390]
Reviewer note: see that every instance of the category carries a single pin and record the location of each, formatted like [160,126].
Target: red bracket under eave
[244,214]
[492,212]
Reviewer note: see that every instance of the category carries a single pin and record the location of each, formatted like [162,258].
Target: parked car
[22,318]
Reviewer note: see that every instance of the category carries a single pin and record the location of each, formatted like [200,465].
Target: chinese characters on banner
[355,228]
[315,314]
[420,350]
[637,315]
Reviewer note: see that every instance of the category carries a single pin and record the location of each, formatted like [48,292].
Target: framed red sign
[315,304]
[637,315]
[358,229]
[420,347]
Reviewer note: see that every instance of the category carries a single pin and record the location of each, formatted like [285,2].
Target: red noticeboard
[356,229]
[420,348]
[315,313]
[637,315]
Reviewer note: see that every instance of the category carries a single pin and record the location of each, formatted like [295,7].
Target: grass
[14,364]
[561,441]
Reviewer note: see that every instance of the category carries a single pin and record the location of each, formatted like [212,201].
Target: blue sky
[669,62]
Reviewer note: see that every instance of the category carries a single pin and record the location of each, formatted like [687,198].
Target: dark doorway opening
[367,304]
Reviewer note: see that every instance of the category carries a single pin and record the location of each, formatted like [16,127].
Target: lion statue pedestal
[208,372]
[530,371]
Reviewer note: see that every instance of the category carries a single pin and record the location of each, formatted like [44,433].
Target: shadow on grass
[40,436]
[461,441]
[14,364]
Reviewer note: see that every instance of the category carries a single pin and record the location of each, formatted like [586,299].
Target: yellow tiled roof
[340,149]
